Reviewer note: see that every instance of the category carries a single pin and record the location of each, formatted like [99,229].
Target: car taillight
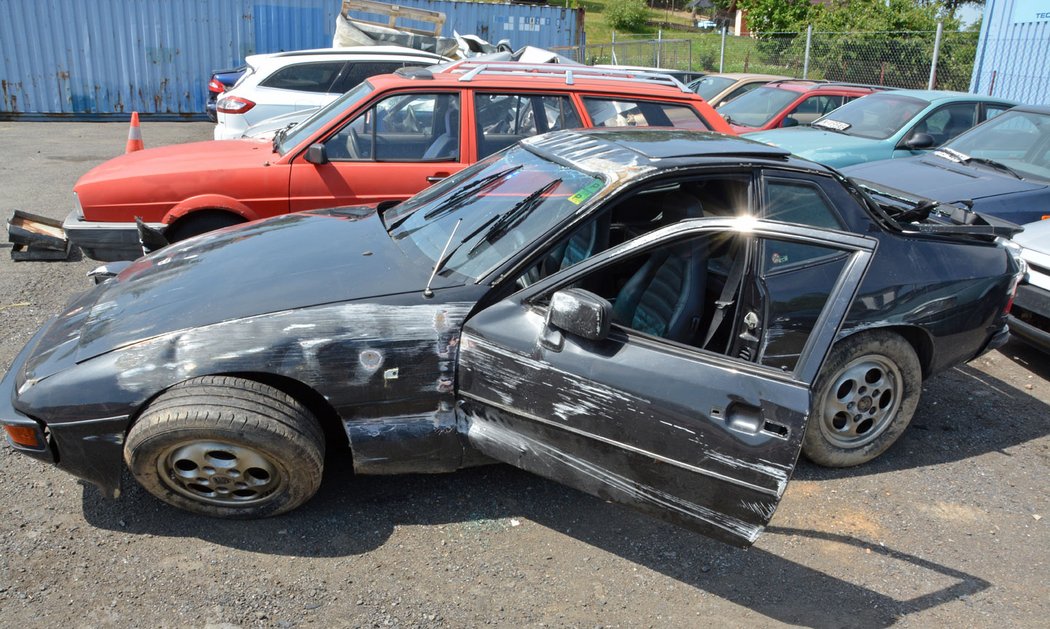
[234,105]
[215,86]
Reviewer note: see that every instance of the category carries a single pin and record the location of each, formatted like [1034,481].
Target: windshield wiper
[278,137]
[994,164]
[455,199]
[516,214]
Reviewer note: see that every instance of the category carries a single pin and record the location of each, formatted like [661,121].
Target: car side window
[814,107]
[698,292]
[607,112]
[503,119]
[305,77]
[357,71]
[798,201]
[795,294]
[403,128]
[991,110]
[948,122]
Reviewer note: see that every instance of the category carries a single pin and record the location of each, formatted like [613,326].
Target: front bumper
[1030,316]
[90,449]
[105,241]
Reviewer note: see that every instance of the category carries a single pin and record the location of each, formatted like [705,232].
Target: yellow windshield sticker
[587,192]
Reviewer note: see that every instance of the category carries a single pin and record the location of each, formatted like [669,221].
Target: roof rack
[470,69]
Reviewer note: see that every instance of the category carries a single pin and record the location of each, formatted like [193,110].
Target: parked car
[788,103]
[1001,166]
[648,315]
[717,89]
[901,123]
[1030,312]
[284,82]
[221,80]
[268,128]
[385,140]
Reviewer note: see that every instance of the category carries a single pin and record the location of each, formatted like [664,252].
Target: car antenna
[440,261]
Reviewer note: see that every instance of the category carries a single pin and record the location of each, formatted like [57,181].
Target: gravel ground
[949,528]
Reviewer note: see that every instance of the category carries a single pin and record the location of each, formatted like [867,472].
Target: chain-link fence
[898,59]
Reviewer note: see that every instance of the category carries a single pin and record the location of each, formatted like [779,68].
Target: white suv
[284,82]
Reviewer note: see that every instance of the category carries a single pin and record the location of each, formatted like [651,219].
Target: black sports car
[647,315]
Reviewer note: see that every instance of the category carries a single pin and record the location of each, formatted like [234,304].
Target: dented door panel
[699,439]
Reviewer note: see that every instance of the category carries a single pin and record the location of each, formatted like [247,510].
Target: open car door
[598,376]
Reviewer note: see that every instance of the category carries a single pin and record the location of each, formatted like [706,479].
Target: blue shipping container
[1013,53]
[110,57]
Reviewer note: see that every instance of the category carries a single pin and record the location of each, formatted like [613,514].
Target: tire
[197,224]
[227,447]
[863,399]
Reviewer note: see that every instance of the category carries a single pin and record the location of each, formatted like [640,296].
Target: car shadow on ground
[963,413]
[1027,357]
[352,515]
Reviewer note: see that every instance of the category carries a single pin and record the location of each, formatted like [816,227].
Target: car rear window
[608,112]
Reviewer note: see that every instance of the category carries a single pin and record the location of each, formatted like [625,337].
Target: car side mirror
[918,141]
[317,154]
[789,122]
[580,313]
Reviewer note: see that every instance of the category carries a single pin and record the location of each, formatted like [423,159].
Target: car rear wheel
[227,447]
[863,399]
[200,223]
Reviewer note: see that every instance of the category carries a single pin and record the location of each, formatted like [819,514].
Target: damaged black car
[650,316]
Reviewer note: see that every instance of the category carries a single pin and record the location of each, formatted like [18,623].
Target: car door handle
[748,419]
[436,178]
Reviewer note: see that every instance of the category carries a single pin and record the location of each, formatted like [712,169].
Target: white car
[1030,313]
[284,82]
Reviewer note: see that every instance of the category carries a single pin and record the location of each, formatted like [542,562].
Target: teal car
[884,125]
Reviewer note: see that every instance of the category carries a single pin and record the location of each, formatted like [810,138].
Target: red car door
[397,147]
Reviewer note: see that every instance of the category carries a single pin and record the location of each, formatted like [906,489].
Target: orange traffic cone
[134,135]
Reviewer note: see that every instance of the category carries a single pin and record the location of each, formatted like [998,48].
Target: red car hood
[181,158]
[150,183]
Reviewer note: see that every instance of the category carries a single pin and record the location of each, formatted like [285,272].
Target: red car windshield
[286,140]
[757,107]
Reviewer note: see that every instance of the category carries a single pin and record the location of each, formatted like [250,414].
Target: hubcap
[862,401]
[219,473]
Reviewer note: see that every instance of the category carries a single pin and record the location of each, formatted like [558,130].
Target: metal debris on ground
[36,238]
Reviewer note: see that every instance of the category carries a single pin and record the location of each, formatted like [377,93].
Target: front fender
[209,202]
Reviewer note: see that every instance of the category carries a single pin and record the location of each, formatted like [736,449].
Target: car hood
[939,179]
[288,262]
[823,146]
[177,160]
[1036,237]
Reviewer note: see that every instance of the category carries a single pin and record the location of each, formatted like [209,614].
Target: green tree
[626,15]
[778,16]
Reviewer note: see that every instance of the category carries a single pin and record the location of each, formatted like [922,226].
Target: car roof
[620,151]
[742,76]
[935,96]
[809,85]
[1035,109]
[340,53]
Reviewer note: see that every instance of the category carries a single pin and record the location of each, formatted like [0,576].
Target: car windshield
[710,86]
[1018,140]
[757,107]
[473,222]
[877,116]
[285,141]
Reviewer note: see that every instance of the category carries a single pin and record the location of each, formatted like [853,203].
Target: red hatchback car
[386,139]
[788,103]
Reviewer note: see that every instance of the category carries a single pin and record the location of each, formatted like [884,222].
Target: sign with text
[1031,11]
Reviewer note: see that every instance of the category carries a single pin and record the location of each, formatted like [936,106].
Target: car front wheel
[863,399]
[227,447]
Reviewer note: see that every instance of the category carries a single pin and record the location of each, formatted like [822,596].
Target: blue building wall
[105,57]
[1013,53]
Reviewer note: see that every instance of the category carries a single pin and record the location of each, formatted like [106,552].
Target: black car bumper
[90,449]
[1030,316]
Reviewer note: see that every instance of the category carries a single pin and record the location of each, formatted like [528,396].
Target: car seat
[665,297]
[446,145]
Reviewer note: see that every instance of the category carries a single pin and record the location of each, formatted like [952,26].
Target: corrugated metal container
[1013,54]
[106,57]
